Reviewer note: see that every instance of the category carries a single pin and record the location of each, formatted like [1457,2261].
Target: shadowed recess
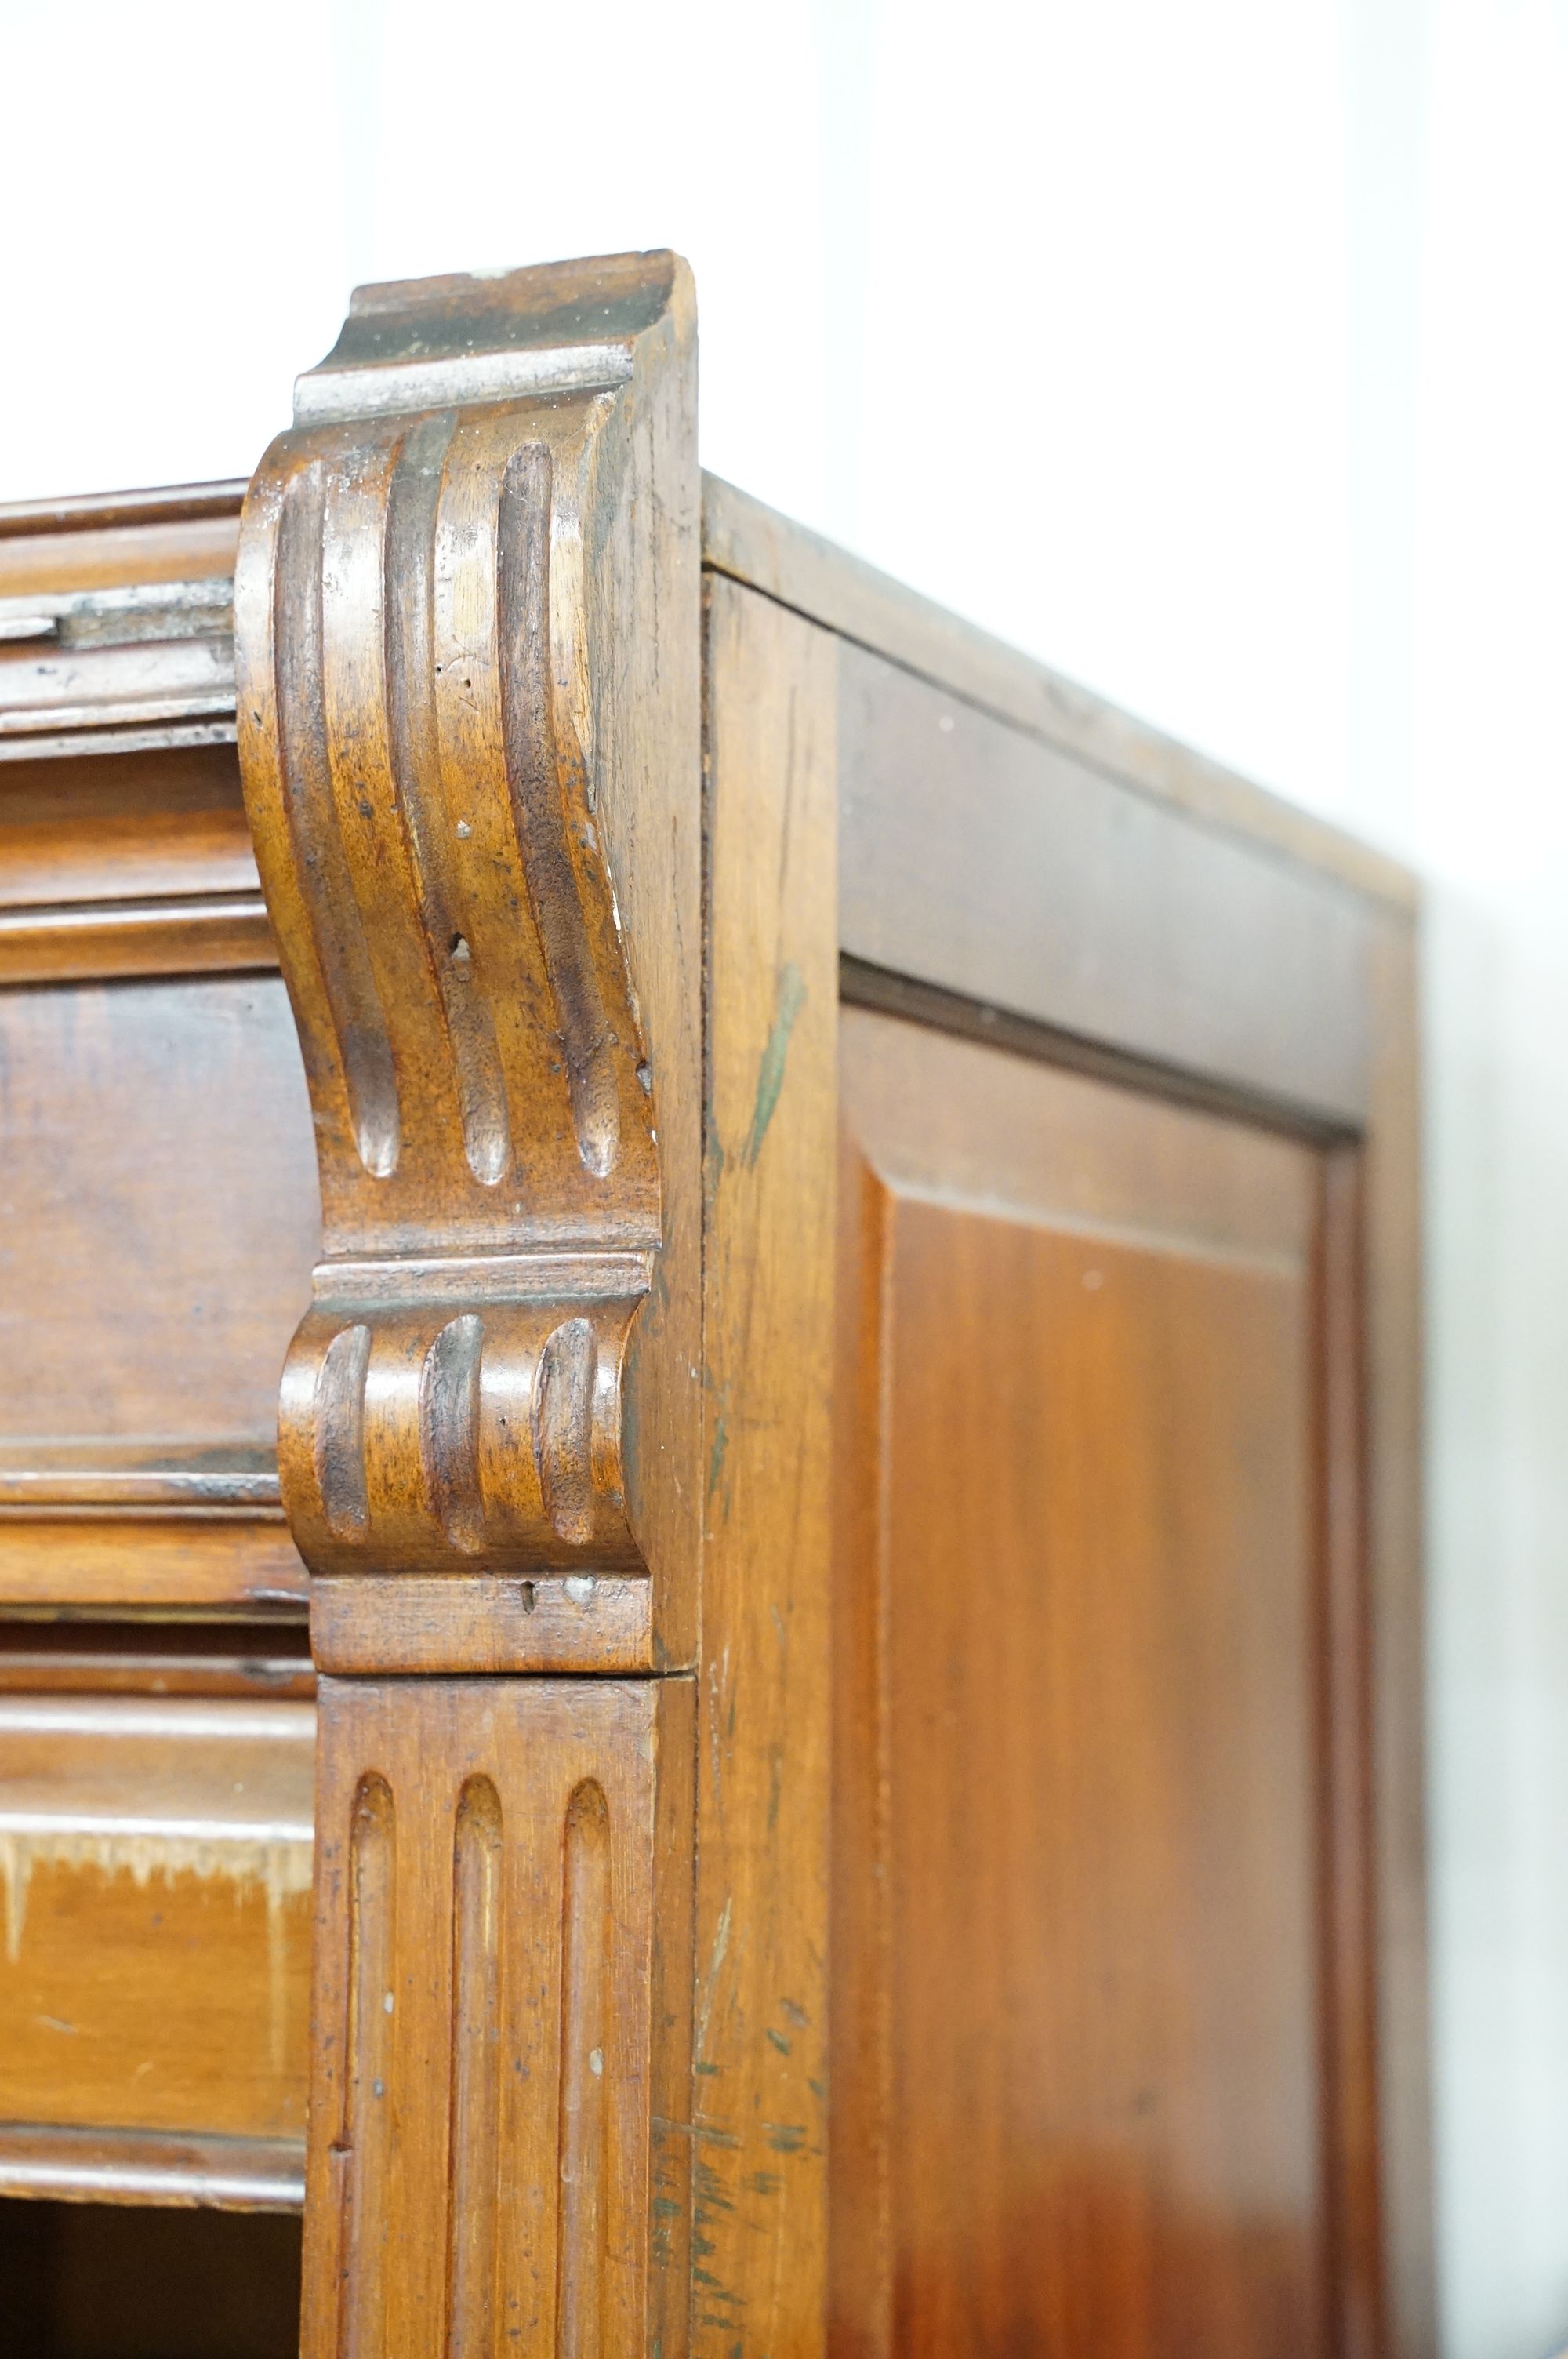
[563,1427]
[336,926]
[449,1430]
[360,2155]
[408,569]
[472,2306]
[542,776]
[584,2115]
[339,1432]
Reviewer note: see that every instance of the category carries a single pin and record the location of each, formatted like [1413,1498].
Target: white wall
[1490,827]
[1216,353]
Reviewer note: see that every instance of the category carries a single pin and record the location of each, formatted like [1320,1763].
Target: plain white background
[1216,354]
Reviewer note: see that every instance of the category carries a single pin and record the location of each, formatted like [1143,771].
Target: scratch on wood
[770,1073]
[720,1949]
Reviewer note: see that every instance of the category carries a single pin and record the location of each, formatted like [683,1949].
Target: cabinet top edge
[752,544]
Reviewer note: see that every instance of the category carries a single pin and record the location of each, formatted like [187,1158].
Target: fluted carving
[466,630]
[427,1432]
[489,2166]
[467,618]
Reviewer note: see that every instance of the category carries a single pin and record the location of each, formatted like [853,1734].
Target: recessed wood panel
[1079,2079]
[158,1209]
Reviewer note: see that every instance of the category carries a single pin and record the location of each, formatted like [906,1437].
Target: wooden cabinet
[761,1268]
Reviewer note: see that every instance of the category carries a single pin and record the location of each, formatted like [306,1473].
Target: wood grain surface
[760,2087]
[1091,2063]
[500,2037]
[467,642]
[866,1559]
[155,1871]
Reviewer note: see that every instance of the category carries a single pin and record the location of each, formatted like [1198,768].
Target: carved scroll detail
[436,1432]
[467,716]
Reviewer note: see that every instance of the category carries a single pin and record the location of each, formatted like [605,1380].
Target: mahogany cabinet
[710,1309]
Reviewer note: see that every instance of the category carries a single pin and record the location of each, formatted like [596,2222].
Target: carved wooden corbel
[467,629]
[467,615]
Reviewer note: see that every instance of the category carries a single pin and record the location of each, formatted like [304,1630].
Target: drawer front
[154,1909]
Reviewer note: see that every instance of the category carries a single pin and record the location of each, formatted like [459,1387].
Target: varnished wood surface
[469,670]
[1123,1969]
[160,1220]
[154,1860]
[1016,875]
[467,613]
[134,827]
[154,1247]
[759,2098]
[85,515]
[501,2036]
[750,542]
[1083,2029]
[148,537]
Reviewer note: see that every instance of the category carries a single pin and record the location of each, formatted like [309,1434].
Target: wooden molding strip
[105,511]
[202,1477]
[141,737]
[99,1526]
[199,933]
[122,2166]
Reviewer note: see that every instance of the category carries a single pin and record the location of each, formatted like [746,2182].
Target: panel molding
[47,2162]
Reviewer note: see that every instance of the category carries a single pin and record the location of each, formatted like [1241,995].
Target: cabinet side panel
[1080,2097]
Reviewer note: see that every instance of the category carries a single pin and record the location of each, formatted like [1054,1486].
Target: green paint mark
[771,1072]
[705,2068]
[716,1456]
[713,1157]
[780,2042]
[795,2011]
